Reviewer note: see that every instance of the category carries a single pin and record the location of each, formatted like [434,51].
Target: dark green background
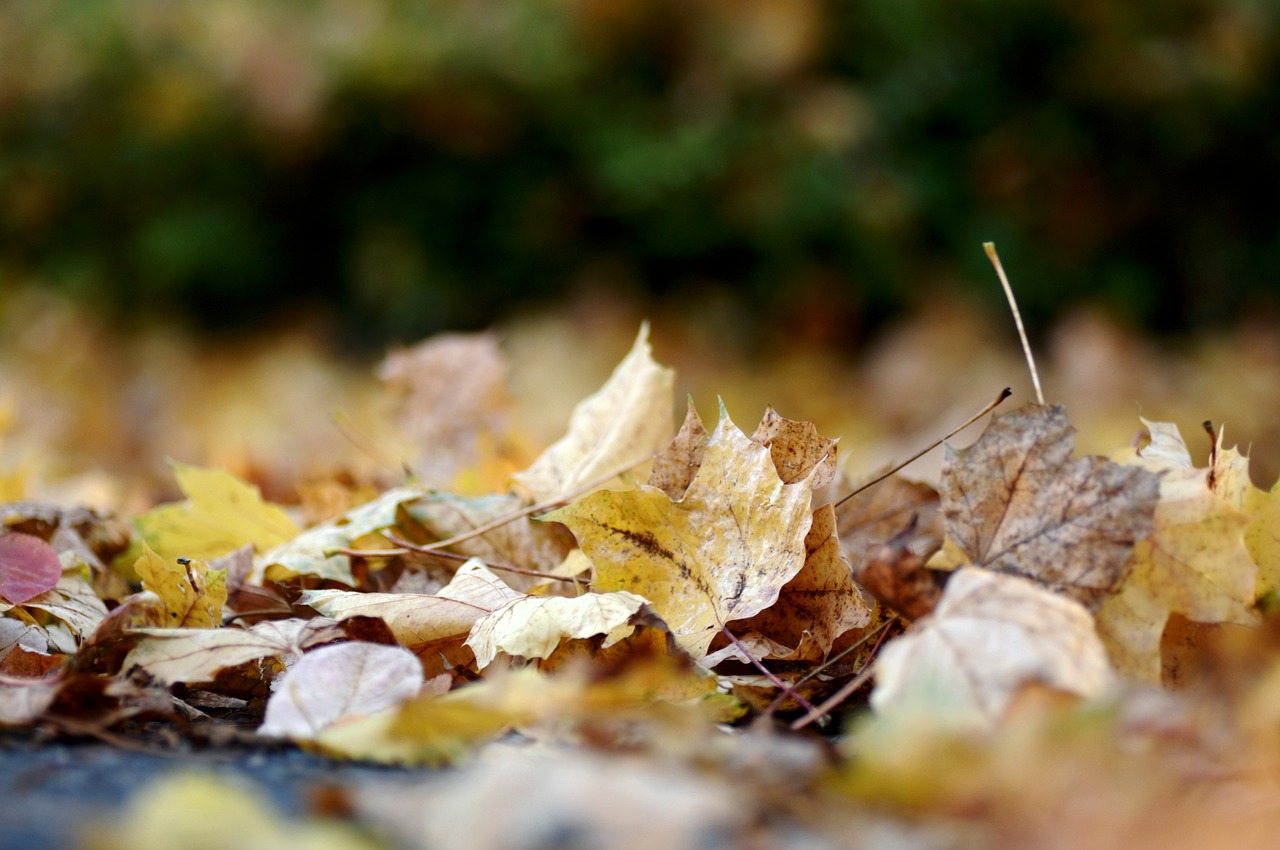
[411,166]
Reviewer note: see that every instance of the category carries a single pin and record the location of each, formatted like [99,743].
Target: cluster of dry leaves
[666,603]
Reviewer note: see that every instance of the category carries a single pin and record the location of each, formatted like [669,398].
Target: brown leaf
[797,449]
[884,512]
[675,466]
[897,577]
[817,606]
[1015,502]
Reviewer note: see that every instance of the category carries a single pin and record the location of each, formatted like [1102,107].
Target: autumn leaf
[818,605]
[675,466]
[338,682]
[533,627]
[221,514]
[314,552]
[28,567]
[1015,502]
[990,635]
[434,626]
[721,553]
[1195,563]
[73,602]
[192,594]
[798,451]
[196,655]
[620,426]
[1230,481]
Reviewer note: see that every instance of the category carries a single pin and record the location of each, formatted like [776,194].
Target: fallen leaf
[196,655]
[1230,481]
[533,627]
[1015,502]
[897,577]
[990,635]
[338,682]
[28,567]
[620,426]
[819,604]
[432,626]
[72,601]
[209,812]
[884,512]
[221,514]
[797,450]
[675,466]
[721,553]
[192,594]
[314,551]
[1194,563]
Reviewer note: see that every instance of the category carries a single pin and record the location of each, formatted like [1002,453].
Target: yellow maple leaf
[1194,563]
[1231,482]
[192,594]
[722,552]
[221,514]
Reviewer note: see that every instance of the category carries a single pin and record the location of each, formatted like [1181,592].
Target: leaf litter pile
[692,637]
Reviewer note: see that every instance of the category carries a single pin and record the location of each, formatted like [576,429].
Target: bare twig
[787,690]
[1005,393]
[835,659]
[405,548]
[990,248]
[850,688]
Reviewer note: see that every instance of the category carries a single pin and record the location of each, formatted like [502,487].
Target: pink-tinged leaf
[28,567]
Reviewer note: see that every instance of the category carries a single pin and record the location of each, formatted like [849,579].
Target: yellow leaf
[192,594]
[620,426]
[1194,563]
[532,627]
[1231,483]
[203,811]
[721,553]
[221,514]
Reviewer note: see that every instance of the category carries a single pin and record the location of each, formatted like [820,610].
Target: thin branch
[990,248]
[850,688]
[1005,393]
[835,659]
[787,690]
[407,548]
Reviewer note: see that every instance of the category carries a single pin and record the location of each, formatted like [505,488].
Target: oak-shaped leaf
[221,513]
[1195,563]
[989,636]
[723,552]
[1016,502]
[337,682]
[534,626]
[619,426]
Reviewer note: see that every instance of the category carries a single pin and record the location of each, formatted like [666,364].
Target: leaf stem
[990,248]
[1005,393]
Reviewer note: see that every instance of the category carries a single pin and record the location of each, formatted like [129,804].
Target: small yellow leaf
[221,514]
[192,594]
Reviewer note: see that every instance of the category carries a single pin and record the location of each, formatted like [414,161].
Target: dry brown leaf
[817,606]
[897,577]
[990,635]
[1015,502]
[675,466]
[721,553]
[883,512]
[798,451]
[620,426]
[452,396]
[338,682]
[196,655]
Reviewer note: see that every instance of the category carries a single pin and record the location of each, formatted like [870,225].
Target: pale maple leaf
[1195,563]
[1016,502]
[990,635]
[534,626]
[722,552]
[621,425]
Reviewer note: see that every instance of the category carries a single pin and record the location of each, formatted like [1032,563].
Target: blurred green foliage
[418,164]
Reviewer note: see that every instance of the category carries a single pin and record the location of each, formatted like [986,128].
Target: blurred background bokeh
[769,180]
